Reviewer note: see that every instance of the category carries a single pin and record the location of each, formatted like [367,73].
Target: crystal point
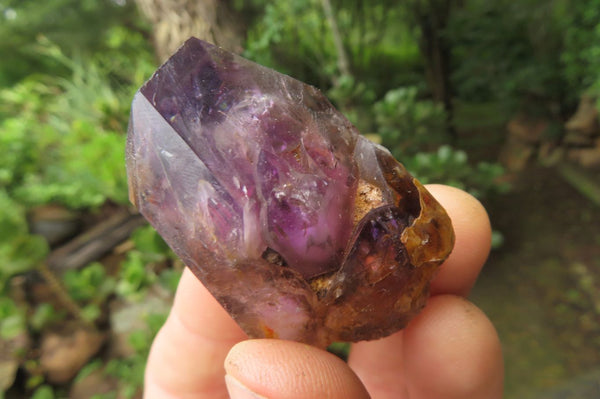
[300,227]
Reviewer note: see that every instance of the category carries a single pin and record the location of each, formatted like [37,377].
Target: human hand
[450,350]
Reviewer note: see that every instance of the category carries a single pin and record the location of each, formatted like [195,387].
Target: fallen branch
[94,243]
[578,179]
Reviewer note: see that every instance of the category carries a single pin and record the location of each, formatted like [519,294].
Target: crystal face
[300,227]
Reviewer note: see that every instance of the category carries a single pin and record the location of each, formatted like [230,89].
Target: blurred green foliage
[451,166]
[538,56]
[63,138]
[12,319]
[414,130]
[19,250]
[65,93]
[386,93]
[507,50]
[130,371]
[44,392]
[408,124]
[534,56]
[296,38]
[138,270]
[45,315]
[76,26]
[581,56]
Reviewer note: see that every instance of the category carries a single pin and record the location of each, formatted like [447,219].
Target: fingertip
[186,357]
[291,370]
[454,344]
[473,232]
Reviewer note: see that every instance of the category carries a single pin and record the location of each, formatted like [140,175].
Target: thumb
[269,368]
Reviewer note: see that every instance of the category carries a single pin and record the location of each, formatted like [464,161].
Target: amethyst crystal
[300,227]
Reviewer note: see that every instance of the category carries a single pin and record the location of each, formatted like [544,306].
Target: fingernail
[237,390]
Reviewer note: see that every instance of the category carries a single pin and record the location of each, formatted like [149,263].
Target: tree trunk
[174,21]
[342,57]
[432,17]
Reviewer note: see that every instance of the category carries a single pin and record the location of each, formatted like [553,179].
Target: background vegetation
[435,81]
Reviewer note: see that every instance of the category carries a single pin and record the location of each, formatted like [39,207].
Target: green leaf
[12,319]
[139,341]
[89,284]
[134,276]
[497,239]
[12,326]
[150,244]
[91,312]
[88,369]
[169,278]
[19,251]
[43,392]
[43,315]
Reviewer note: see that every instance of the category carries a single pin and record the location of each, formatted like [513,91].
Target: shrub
[414,131]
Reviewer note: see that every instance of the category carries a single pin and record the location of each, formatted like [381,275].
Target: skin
[450,350]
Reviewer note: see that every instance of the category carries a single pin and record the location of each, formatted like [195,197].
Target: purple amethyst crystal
[300,227]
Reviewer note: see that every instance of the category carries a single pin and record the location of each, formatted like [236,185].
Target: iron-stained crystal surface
[300,227]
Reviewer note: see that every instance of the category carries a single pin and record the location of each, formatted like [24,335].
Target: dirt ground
[541,288]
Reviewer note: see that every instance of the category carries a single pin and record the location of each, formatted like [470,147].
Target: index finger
[473,232]
[410,358]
